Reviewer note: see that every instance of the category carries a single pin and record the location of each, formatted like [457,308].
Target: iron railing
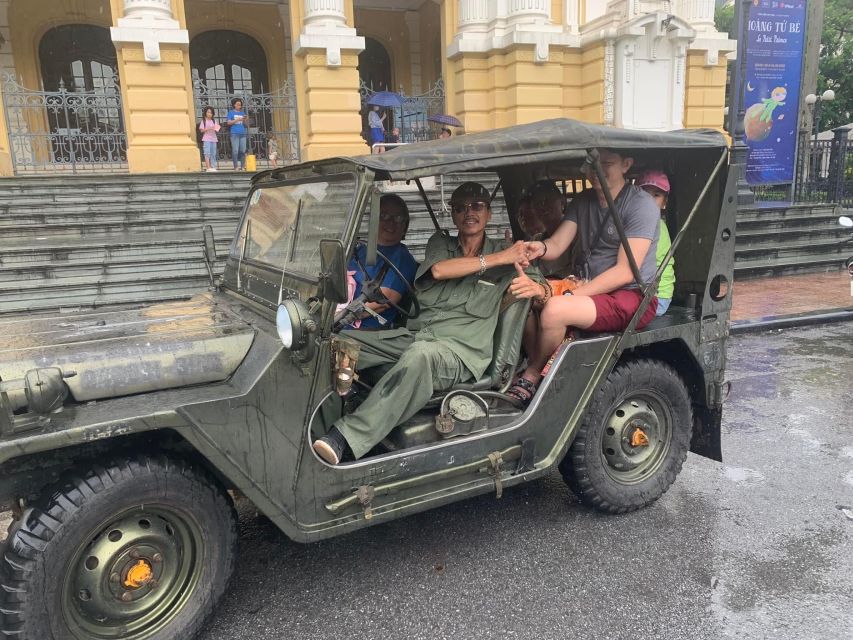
[77,131]
[271,114]
[824,173]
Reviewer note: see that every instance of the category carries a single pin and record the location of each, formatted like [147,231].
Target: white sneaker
[212,169]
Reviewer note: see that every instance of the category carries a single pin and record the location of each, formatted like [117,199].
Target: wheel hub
[130,577]
[635,439]
[138,575]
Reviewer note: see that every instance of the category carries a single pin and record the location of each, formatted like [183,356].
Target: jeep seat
[506,348]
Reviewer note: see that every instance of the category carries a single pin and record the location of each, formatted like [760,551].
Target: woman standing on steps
[239,122]
[209,127]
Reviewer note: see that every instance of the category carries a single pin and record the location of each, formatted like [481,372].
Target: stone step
[143,247]
[116,212]
[35,202]
[786,266]
[16,279]
[89,295]
[223,224]
[795,248]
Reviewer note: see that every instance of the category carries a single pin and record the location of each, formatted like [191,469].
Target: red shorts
[613,311]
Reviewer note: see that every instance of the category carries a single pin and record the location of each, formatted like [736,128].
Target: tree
[724,20]
[835,70]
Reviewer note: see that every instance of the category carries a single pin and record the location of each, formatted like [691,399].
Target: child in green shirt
[656,184]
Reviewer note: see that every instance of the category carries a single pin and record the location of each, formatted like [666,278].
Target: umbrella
[445,119]
[386,99]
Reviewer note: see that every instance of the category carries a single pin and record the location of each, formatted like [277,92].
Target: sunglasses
[464,207]
[394,217]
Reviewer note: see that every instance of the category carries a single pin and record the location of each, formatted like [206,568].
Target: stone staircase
[75,242]
[783,240]
[83,241]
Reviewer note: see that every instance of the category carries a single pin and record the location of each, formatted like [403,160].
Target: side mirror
[209,244]
[333,271]
[209,251]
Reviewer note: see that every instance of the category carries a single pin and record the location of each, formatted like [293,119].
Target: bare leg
[558,314]
[530,336]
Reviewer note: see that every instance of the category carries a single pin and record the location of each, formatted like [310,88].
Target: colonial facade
[118,85]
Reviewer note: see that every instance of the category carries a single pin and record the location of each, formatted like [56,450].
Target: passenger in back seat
[610,297]
[460,284]
[656,184]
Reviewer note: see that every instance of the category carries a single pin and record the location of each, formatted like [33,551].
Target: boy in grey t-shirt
[611,297]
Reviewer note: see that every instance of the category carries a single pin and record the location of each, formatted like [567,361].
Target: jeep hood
[110,353]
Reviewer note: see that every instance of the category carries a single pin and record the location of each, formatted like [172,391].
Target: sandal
[522,390]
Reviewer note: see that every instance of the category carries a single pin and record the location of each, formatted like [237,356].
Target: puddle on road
[742,474]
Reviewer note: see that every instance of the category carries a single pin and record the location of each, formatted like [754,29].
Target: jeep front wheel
[633,440]
[139,549]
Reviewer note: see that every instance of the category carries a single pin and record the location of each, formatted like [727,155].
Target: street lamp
[814,102]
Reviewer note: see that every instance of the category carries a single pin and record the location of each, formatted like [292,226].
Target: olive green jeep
[125,433]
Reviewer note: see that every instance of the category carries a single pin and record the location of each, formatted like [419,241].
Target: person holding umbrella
[446,121]
[377,128]
[375,121]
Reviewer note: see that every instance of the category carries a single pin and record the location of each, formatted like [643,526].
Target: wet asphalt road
[757,547]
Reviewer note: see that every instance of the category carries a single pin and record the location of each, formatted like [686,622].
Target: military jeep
[125,433]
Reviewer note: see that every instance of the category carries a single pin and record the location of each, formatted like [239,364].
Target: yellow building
[119,85]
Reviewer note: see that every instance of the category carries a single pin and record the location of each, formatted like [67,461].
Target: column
[413,22]
[325,66]
[571,16]
[152,46]
[474,16]
[528,11]
[7,65]
[699,13]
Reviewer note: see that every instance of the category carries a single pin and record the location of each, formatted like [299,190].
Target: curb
[786,322]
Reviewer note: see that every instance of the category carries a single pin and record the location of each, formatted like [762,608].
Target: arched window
[82,56]
[374,66]
[85,129]
[229,62]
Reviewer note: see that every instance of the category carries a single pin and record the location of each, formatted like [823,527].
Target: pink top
[209,134]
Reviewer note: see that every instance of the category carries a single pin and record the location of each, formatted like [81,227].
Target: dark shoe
[522,390]
[331,446]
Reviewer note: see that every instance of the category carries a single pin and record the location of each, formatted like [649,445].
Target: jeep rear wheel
[140,549]
[633,440]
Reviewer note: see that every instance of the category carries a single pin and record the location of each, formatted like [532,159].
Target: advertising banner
[774,53]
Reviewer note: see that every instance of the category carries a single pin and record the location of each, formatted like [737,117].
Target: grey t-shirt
[640,216]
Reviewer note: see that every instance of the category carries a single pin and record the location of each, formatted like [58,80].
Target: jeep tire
[633,439]
[139,548]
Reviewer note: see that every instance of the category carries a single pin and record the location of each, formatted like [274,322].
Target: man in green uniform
[460,285]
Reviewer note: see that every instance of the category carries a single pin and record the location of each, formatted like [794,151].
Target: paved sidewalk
[767,299]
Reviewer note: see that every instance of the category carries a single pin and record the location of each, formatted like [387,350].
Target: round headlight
[285,326]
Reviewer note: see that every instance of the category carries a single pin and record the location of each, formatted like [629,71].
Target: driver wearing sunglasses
[460,285]
[393,224]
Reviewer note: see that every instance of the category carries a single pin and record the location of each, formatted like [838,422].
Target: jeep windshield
[285,221]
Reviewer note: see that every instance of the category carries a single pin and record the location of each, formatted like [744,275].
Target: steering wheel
[371,291]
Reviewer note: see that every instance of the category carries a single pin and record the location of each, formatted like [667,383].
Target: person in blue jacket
[393,224]
[238,121]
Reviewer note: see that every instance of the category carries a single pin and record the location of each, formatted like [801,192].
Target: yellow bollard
[251,162]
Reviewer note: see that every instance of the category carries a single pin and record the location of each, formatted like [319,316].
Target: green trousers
[419,369]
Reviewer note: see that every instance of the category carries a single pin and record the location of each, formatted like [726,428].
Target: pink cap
[654,179]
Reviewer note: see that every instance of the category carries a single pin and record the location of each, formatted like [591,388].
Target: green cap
[473,190]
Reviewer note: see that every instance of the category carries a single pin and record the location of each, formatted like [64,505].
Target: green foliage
[835,68]
[724,20]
